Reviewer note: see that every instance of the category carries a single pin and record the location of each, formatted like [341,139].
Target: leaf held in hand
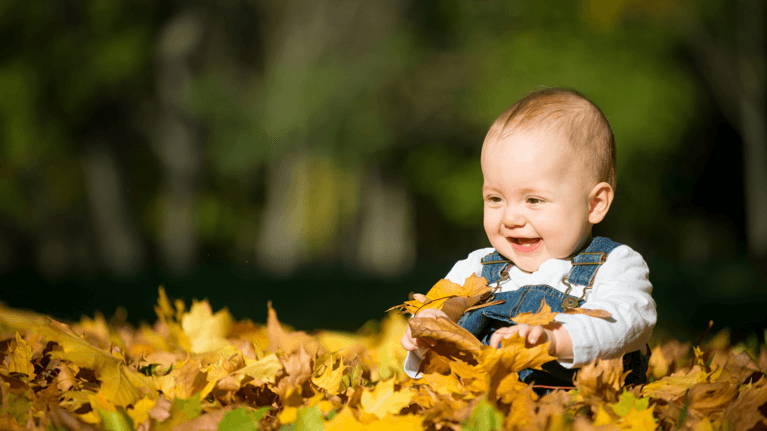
[443,330]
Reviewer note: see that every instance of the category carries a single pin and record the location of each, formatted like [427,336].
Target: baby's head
[549,175]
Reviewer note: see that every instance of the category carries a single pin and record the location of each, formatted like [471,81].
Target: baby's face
[536,195]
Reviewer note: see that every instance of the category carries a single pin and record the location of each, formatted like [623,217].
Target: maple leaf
[473,288]
[206,331]
[170,319]
[119,384]
[383,400]
[673,387]
[329,374]
[747,411]
[602,378]
[19,358]
[262,370]
[514,355]
[445,331]
[627,402]
[544,315]
[445,384]
[283,340]
[385,350]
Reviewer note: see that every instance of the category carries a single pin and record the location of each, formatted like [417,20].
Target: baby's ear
[600,199]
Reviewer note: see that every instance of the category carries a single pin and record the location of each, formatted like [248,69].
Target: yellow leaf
[329,374]
[265,369]
[385,350]
[345,421]
[399,423]
[544,315]
[473,287]
[445,384]
[21,358]
[639,420]
[288,415]
[514,356]
[171,319]
[673,387]
[206,331]
[383,400]
[510,388]
[602,417]
[140,411]
[601,377]
[119,384]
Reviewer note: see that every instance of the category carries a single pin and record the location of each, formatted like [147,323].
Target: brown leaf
[286,341]
[602,378]
[298,369]
[602,314]
[742,367]
[748,411]
[444,331]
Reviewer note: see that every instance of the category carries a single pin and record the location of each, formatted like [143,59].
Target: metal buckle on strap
[570,302]
[602,258]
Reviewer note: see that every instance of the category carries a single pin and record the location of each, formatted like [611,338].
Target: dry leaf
[544,315]
[444,331]
[192,368]
[473,288]
[383,400]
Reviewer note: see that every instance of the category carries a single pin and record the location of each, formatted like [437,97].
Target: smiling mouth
[525,245]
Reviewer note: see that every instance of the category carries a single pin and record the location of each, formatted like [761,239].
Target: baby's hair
[570,113]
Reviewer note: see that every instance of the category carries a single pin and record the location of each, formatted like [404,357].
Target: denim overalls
[484,321]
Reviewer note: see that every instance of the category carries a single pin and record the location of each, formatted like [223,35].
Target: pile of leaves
[199,370]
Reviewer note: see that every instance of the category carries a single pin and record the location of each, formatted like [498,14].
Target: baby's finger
[523,329]
[535,335]
[408,342]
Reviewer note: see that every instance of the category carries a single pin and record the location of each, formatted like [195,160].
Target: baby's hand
[408,342]
[533,335]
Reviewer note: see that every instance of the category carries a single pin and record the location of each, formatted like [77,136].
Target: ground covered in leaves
[199,370]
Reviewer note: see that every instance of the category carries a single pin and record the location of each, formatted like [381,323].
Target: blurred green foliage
[283,131]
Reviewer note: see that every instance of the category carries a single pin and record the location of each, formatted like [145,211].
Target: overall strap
[495,267]
[587,263]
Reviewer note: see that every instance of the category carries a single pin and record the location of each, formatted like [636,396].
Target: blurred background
[325,155]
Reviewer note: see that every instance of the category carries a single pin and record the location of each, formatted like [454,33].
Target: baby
[548,164]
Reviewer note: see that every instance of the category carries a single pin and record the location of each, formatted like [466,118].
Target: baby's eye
[493,199]
[534,201]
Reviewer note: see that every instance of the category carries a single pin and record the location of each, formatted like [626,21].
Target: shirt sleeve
[621,287]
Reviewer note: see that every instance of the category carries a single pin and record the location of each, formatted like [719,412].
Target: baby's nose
[512,219]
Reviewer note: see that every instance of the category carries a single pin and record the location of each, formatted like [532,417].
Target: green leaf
[242,419]
[18,407]
[484,418]
[116,421]
[627,401]
[309,419]
[192,407]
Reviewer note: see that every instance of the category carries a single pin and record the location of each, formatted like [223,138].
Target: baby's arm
[561,346]
[622,288]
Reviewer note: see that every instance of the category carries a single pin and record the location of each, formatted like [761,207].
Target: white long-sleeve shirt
[621,287]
